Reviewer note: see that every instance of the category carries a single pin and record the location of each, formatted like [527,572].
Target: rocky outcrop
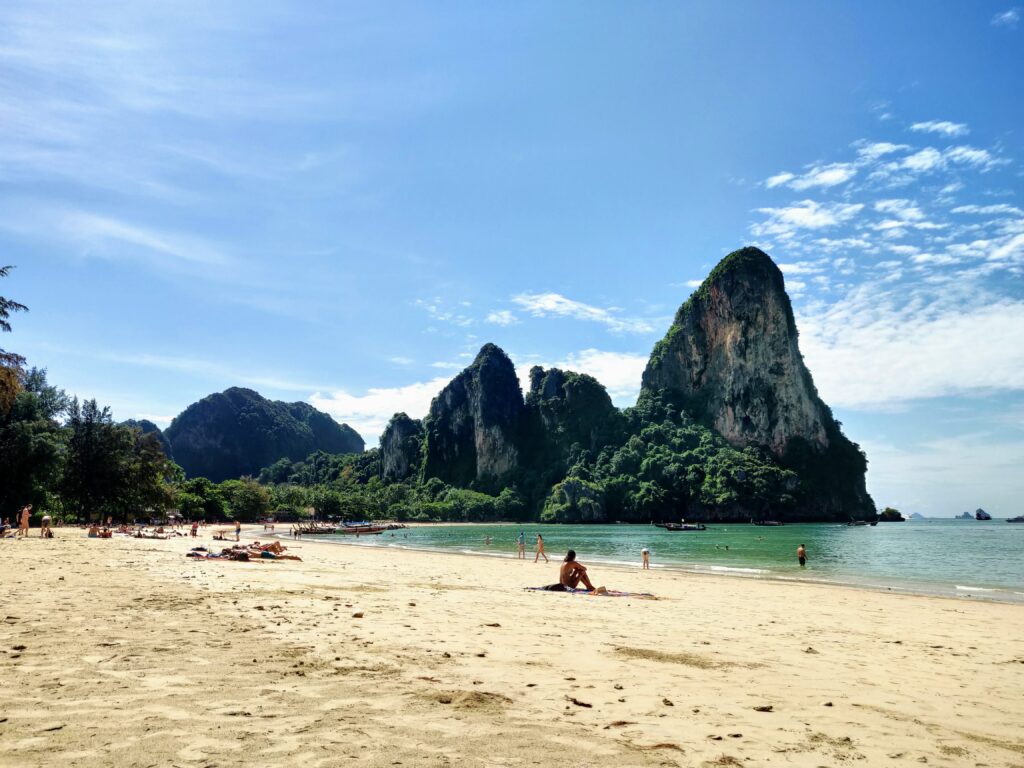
[147,427]
[731,360]
[400,448]
[571,409]
[238,432]
[473,429]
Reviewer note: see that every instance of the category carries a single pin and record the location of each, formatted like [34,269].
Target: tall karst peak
[732,360]
[473,426]
[731,356]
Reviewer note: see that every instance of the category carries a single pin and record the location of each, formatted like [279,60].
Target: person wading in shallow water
[801,555]
[540,549]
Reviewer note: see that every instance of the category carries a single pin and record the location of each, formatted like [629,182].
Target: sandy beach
[123,652]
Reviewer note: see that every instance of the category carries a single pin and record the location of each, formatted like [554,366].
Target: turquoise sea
[970,559]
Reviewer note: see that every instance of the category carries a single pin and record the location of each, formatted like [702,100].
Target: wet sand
[123,652]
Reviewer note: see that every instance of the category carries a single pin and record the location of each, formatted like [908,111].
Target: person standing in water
[801,555]
[521,546]
[540,549]
[645,555]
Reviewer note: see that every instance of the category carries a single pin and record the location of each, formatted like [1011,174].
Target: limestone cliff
[239,432]
[400,448]
[473,428]
[731,359]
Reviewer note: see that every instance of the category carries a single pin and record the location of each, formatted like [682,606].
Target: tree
[10,364]
[200,499]
[97,469]
[247,500]
[32,446]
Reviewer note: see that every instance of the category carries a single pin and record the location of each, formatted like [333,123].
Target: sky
[341,202]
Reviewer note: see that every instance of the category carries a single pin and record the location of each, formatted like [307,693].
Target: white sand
[136,656]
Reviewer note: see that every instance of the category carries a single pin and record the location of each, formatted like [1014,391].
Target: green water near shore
[946,557]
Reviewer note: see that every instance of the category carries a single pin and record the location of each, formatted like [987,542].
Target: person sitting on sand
[572,573]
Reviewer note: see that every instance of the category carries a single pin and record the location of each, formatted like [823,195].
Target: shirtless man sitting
[572,573]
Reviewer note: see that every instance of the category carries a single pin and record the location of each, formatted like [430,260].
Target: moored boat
[682,526]
[1018,519]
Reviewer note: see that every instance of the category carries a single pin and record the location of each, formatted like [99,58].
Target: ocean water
[969,559]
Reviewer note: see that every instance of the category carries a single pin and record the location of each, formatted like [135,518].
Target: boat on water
[682,526]
[769,523]
[1018,519]
[857,523]
[359,528]
[366,527]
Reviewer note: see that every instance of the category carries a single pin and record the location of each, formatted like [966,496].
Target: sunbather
[573,573]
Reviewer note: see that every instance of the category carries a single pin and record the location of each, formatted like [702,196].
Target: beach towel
[606,593]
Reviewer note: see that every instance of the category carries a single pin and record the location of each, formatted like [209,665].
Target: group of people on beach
[22,518]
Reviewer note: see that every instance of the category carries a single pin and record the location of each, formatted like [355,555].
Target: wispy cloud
[878,347]
[557,305]
[805,214]
[502,317]
[1007,19]
[943,127]
[818,176]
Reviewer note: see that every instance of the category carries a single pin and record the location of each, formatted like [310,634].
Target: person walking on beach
[23,516]
[645,555]
[801,555]
[540,549]
[521,545]
[238,531]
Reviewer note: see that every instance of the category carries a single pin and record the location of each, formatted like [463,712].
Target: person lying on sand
[572,573]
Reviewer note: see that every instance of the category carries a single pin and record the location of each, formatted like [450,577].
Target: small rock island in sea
[728,426]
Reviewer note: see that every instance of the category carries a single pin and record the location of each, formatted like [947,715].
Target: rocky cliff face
[732,357]
[238,432]
[731,360]
[570,409]
[474,424]
[400,448]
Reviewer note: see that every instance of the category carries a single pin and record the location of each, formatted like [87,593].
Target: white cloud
[801,268]
[161,420]
[905,210]
[980,158]
[779,179]
[369,413]
[557,305]
[399,360]
[805,214]
[1007,19]
[943,127]
[989,210]
[927,159]
[872,151]
[818,176]
[694,283]
[502,317]
[619,372]
[876,348]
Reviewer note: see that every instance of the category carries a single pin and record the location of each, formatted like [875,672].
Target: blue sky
[341,203]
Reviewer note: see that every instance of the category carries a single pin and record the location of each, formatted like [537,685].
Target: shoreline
[1001,595]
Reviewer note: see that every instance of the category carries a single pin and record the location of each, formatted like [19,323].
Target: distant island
[728,427]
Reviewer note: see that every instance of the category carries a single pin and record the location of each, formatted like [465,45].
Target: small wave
[729,569]
[976,589]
